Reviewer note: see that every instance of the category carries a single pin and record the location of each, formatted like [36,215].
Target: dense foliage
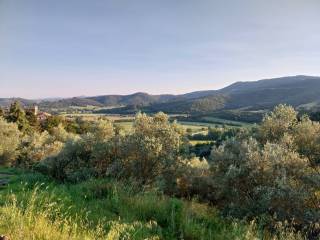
[103,209]
[269,173]
[9,141]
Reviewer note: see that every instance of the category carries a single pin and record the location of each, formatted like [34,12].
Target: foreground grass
[35,207]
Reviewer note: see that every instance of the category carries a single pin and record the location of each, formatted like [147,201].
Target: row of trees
[270,172]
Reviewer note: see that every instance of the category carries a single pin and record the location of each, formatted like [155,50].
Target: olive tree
[276,123]
[36,147]
[153,149]
[275,175]
[9,142]
[252,180]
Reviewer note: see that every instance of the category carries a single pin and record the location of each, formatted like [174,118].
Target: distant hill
[5,102]
[139,98]
[70,102]
[300,91]
[296,91]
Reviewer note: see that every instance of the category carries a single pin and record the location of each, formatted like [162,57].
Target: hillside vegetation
[39,208]
[239,101]
[151,183]
[259,95]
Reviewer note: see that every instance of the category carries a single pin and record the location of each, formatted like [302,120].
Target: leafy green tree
[9,142]
[277,123]
[251,181]
[78,125]
[60,134]
[52,122]
[33,120]
[306,135]
[36,147]
[277,175]
[153,149]
[17,115]
[102,130]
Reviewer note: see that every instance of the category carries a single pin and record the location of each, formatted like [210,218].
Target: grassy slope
[34,207]
[102,209]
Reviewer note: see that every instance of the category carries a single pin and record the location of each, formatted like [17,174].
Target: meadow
[36,207]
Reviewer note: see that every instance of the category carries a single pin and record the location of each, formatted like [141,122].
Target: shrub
[153,149]
[306,136]
[60,134]
[9,142]
[275,124]
[275,177]
[36,147]
[74,157]
[102,130]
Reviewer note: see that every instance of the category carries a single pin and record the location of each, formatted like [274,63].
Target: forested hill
[299,91]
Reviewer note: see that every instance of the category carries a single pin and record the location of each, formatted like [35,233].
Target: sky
[64,48]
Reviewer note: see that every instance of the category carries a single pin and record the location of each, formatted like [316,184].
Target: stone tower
[35,110]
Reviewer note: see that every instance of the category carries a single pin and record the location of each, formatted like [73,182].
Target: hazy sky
[65,48]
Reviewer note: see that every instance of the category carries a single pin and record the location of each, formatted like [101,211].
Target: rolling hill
[139,98]
[5,102]
[298,91]
[301,91]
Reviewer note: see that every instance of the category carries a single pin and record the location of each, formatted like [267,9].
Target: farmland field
[195,142]
[221,121]
[193,127]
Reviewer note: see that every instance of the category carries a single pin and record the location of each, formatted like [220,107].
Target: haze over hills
[300,91]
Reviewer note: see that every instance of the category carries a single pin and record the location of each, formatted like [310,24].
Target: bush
[36,147]
[275,177]
[74,157]
[152,152]
[153,149]
[9,142]
[275,124]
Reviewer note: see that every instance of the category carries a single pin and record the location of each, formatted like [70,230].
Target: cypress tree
[17,115]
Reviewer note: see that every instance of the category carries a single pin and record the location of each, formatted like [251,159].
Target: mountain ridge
[300,90]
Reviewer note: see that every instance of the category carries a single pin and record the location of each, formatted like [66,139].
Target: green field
[195,142]
[221,121]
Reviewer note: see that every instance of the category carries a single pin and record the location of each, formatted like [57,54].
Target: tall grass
[39,218]
[104,209]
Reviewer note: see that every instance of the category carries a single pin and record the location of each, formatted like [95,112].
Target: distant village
[34,109]
[41,116]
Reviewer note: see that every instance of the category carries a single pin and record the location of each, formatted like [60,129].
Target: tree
[102,130]
[277,175]
[1,112]
[17,115]
[306,136]
[252,180]
[275,124]
[35,147]
[60,134]
[9,141]
[52,122]
[33,120]
[153,149]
